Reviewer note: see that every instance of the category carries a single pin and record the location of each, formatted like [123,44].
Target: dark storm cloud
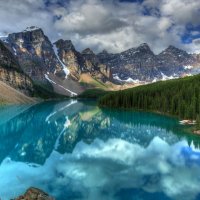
[112,24]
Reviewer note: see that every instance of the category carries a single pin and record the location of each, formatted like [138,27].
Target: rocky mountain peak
[176,55]
[175,61]
[105,57]
[29,34]
[173,50]
[144,45]
[65,45]
[88,51]
[144,48]
[34,51]
[134,53]
[104,52]
[171,47]
[78,63]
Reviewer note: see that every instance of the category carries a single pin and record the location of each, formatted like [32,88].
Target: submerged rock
[35,194]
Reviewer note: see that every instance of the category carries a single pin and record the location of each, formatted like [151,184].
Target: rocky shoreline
[34,194]
[187,122]
[197,132]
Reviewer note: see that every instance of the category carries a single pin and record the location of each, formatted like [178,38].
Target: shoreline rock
[187,122]
[35,194]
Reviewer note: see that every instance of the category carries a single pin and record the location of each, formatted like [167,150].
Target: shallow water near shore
[74,150]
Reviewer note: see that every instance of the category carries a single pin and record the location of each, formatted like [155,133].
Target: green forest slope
[179,97]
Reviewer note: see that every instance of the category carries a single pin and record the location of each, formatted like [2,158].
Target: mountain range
[29,60]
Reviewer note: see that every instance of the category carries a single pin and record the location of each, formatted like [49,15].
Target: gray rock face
[70,57]
[6,57]
[11,73]
[34,52]
[95,67]
[172,60]
[141,63]
[84,62]
[65,45]
[136,63]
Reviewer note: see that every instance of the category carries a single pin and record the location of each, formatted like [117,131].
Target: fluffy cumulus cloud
[17,15]
[112,24]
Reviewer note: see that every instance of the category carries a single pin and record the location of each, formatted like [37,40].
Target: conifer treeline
[180,97]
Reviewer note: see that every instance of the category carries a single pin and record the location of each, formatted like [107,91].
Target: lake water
[73,150]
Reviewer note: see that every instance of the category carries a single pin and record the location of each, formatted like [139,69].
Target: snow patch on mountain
[20,42]
[137,81]
[15,51]
[155,80]
[164,77]
[31,28]
[46,76]
[66,71]
[188,67]
[72,93]
[51,81]
[128,80]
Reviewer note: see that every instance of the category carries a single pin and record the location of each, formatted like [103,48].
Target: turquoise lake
[75,151]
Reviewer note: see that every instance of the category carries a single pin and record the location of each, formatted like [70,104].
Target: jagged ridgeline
[33,65]
[179,97]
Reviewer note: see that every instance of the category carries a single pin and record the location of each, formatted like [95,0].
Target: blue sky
[115,25]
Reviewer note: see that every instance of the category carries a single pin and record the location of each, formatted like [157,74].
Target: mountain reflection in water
[74,150]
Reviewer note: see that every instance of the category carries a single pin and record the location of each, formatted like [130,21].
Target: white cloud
[194,47]
[182,11]
[108,24]
[17,15]
[88,18]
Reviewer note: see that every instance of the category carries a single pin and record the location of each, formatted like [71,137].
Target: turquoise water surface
[75,151]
